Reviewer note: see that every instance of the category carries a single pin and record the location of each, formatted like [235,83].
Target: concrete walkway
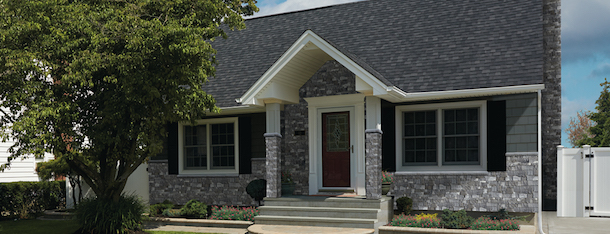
[551,224]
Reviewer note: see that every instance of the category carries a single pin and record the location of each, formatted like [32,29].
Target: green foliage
[404,205]
[194,208]
[387,177]
[101,216]
[96,82]
[157,209]
[22,199]
[456,219]
[233,213]
[257,189]
[426,221]
[503,214]
[485,223]
[171,212]
[600,131]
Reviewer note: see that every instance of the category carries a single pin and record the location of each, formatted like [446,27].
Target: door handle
[352,148]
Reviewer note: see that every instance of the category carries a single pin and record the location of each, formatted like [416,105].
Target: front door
[336,149]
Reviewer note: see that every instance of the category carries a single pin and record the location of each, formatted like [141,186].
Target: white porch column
[373,147]
[273,140]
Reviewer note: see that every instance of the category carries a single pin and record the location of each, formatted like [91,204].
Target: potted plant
[386,182]
[287,183]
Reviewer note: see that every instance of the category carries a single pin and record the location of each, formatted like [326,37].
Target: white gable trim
[367,82]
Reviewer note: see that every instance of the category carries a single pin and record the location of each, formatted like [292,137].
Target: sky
[585,49]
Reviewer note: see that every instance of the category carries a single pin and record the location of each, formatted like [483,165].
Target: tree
[600,131]
[578,129]
[94,82]
[59,167]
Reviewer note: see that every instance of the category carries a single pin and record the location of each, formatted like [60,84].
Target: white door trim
[354,103]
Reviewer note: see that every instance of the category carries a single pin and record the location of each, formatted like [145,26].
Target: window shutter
[245,145]
[496,135]
[388,139]
[172,148]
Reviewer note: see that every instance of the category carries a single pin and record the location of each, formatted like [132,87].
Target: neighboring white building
[20,170]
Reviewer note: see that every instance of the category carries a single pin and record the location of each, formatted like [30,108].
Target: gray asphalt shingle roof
[416,45]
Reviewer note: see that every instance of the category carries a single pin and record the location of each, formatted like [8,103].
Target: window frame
[439,108]
[209,168]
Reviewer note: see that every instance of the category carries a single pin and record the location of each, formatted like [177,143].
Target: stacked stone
[515,189]
[221,190]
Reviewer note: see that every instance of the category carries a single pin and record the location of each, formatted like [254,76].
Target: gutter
[540,231]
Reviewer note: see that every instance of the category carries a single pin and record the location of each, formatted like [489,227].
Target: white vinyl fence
[583,181]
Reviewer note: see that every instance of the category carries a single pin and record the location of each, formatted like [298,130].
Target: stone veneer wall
[551,100]
[331,79]
[515,189]
[212,190]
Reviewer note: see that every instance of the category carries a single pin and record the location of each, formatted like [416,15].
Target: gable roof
[415,45]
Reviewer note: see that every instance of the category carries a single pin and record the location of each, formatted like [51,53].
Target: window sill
[207,175]
[442,173]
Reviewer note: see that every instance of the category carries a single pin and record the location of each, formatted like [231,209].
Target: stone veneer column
[273,155]
[373,163]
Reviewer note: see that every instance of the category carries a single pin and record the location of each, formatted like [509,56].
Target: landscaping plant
[456,219]
[386,177]
[233,213]
[404,205]
[22,199]
[195,209]
[96,215]
[158,209]
[171,212]
[421,221]
[485,223]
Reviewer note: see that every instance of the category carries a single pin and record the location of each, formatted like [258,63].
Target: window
[210,146]
[448,136]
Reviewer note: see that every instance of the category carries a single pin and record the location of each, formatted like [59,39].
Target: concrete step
[315,221]
[359,213]
[357,202]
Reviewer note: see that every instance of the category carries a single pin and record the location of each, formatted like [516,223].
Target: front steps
[350,212]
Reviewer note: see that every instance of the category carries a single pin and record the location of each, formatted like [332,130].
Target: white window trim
[181,167]
[482,105]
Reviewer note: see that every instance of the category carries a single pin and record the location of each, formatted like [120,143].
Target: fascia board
[473,92]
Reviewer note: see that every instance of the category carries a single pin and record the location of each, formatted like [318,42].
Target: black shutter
[245,145]
[388,139]
[172,148]
[496,135]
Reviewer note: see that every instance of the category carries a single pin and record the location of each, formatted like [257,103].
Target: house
[20,169]
[456,98]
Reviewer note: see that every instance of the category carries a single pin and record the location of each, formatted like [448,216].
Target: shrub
[257,189]
[404,205]
[485,223]
[21,199]
[194,208]
[456,219]
[503,214]
[233,213]
[427,216]
[426,221]
[171,212]
[103,216]
[157,209]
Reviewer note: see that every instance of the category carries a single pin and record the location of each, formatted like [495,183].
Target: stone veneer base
[411,230]
[212,190]
[515,189]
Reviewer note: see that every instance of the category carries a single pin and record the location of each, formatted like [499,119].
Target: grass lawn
[35,226]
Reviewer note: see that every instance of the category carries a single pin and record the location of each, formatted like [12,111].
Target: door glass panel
[337,132]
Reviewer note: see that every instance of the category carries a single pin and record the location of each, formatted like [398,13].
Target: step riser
[357,215]
[323,204]
[318,224]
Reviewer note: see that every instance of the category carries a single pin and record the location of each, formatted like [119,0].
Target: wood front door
[336,149]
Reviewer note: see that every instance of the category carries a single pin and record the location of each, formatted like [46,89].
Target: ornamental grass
[233,213]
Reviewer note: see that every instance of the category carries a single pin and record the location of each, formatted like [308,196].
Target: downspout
[540,231]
